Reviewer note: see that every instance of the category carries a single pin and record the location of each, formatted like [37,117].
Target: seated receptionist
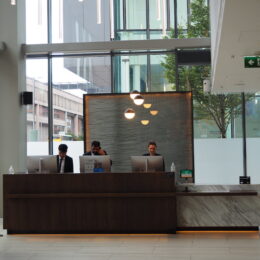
[64,162]
[152,152]
[96,149]
[151,149]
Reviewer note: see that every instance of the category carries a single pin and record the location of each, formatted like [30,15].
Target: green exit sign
[252,61]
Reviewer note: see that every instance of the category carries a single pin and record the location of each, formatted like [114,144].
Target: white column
[12,83]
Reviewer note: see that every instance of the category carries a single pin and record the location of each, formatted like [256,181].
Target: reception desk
[90,203]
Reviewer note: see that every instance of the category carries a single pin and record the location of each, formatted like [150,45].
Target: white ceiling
[237,34]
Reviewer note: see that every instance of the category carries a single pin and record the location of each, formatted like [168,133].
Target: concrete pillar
[12,83]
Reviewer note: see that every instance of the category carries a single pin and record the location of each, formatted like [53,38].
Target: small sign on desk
[244,179]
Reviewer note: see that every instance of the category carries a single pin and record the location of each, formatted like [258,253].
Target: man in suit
[96,149]
[64,162]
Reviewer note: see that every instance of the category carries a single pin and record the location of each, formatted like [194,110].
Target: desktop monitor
[155,163]
[34,163]
[95,163]
[49,164]
[139,163]
[147,163]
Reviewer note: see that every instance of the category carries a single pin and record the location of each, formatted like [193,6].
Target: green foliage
[220,108]
[199,19]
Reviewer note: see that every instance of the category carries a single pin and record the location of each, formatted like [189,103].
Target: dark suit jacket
[68,167]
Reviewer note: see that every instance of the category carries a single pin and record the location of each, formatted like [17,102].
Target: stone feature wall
[171,128]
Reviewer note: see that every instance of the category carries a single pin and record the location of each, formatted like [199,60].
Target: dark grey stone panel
[171,128]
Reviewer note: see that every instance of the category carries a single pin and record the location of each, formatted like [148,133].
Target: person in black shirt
[96,149]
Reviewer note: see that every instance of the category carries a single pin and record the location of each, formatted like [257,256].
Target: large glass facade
[68,77]
[99,20]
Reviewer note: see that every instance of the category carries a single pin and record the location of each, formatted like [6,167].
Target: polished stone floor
[182,246]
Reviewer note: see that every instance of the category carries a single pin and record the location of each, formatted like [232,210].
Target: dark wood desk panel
[90,203]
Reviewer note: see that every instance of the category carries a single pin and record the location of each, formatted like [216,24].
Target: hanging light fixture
[154,112]
[13,2]
[129,113]
[146,105]
[81,0]
[134,93]
[139,100]
[145,122]
[98,11]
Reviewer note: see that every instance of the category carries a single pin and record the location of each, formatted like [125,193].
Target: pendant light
[139,100]
[129,113]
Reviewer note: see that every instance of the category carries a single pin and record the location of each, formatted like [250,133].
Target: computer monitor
[95,163]
[155,163]
[33,163]
[139,163]
[49,164]
[147,163]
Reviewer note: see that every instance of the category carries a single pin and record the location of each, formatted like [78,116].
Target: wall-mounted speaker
[27,98]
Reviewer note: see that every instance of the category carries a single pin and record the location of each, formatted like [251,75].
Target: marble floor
[182,246]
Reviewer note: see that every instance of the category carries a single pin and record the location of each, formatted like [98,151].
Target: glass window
[172,14]
[119,14]
[73,77]
[252,135]
[130,73]
[159,82]
[135,14]
[36,21]
[80,21]
[218,149]
[37,113]
[157,14]
[135,35]
[182,14]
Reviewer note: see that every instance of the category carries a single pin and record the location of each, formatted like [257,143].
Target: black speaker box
[27,98]
[244,179]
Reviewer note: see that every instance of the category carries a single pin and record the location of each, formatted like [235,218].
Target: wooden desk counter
[90,203]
